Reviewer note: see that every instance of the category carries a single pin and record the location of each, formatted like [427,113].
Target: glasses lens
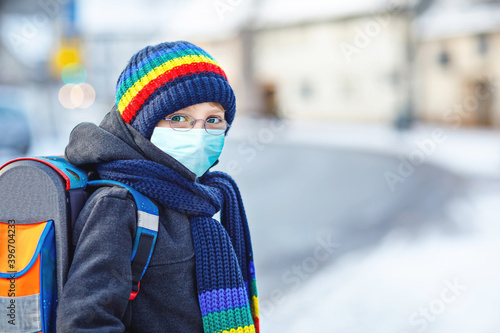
[181,122]
[215,125]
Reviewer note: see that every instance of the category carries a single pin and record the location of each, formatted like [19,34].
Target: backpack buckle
[135,290]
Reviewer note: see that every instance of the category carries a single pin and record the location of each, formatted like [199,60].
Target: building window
[482,44]
[305,90]
[347,88]
[444,58]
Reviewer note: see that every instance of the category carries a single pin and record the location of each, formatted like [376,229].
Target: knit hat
[162,79]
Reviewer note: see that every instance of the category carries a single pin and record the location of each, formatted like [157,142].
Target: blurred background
[366,146]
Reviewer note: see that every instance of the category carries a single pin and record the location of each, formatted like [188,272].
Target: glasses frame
[194,123]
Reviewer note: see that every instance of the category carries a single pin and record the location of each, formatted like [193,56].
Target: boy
[173,109]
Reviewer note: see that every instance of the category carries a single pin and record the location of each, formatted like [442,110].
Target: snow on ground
[437,283]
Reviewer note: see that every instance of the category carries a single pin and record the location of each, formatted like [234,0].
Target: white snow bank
[436,283]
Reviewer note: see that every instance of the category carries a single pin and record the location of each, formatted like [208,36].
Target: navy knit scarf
[225,271]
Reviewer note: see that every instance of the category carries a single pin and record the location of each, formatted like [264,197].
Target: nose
[199,123]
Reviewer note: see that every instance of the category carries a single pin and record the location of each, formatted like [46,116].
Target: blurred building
[332,60]
[28,35]
[434,61]
[323,60]
[459,64]
[319,60]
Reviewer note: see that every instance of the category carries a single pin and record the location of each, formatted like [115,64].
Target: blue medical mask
[195,149]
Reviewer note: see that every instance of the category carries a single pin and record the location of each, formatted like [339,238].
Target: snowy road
[339,250]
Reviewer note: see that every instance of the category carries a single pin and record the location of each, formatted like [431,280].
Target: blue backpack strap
[146,234]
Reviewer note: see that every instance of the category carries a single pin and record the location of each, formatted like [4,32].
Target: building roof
[283,12]
[448,18]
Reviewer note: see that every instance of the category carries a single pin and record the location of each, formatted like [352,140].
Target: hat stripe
[133,90]
[153,60]
[179,72]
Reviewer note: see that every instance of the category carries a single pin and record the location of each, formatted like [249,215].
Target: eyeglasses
[185,122]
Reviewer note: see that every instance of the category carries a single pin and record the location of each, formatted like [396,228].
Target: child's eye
[214,120]
[179,118]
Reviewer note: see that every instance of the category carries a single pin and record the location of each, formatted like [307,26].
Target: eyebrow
[217,110]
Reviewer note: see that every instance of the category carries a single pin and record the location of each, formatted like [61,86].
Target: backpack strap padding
[146,233]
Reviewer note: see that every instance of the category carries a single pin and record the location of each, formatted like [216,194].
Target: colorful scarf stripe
[252,293]
[223,309]
[160,68]
[237,297]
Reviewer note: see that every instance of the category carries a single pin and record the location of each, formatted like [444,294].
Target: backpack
[40,199]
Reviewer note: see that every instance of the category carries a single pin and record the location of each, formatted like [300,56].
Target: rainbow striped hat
[167,77]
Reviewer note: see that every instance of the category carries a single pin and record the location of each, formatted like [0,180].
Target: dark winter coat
[96,295]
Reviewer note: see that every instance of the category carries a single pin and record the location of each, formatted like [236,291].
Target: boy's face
[197,111]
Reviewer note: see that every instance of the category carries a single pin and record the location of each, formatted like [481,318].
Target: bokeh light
[65,96]
[88,95]
[72,96]
[74,73]
[76,96]
[67,55]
